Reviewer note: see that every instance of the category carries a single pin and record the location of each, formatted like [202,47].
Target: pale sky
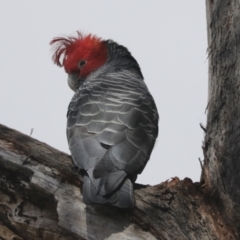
[167,38]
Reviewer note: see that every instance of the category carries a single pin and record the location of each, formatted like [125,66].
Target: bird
[112,119]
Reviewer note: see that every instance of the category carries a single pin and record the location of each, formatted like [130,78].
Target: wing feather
[112,127]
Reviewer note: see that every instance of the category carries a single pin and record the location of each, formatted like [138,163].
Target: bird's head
[80,55]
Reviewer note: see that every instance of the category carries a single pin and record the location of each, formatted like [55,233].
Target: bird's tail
[121,197]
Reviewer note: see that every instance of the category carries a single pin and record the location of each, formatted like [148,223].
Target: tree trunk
[40,193]
[222,141]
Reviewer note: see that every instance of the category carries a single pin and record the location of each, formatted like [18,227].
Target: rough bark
[40,198]
[222,141]
[40,193]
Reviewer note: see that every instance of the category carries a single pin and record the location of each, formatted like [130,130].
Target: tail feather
[122,197]
[126,197]
[91,195]
[107,183]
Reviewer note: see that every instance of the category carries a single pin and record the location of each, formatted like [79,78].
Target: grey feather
[111,138]
[83,120]
[126,198]
[89,110]
[131,118]
[96,127]
[108,182]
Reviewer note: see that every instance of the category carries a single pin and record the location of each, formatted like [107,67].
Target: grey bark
[40,198]
[222,141]
[40,193]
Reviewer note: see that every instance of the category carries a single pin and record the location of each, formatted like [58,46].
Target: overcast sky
[167,38]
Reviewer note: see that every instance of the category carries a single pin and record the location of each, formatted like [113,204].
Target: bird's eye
[82,63]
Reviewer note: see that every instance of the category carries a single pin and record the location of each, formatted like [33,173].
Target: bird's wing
[112,127]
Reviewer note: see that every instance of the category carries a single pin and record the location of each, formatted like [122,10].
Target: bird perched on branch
[112,120]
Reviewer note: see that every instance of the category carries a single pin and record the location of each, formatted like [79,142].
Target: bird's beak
[73,81]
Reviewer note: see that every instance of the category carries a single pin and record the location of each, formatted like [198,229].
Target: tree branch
[41,199]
